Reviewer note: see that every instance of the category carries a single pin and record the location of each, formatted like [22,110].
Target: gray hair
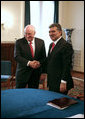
[31,27]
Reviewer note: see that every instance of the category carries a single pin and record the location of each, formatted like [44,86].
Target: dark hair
[56,25]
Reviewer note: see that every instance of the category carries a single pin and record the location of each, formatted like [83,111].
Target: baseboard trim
[78,79]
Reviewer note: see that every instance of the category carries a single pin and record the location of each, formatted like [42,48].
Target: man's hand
[62,87]
[34,64]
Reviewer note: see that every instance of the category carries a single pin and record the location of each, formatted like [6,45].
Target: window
[41,16]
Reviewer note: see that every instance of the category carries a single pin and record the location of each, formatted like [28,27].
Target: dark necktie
[31,48]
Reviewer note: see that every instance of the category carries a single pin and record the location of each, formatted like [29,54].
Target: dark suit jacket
[22,55]
[59,65]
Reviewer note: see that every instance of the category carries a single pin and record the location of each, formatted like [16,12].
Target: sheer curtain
[41,16]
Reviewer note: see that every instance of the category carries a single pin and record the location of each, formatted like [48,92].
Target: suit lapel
[27,47]
[36,47]
[50,49]
[56,48]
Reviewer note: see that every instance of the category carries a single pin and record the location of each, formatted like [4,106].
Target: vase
[68,33]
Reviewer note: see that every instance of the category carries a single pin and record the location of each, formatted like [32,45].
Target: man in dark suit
[29,54]
[59,62]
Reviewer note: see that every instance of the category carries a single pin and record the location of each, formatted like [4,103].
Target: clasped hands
[34,64]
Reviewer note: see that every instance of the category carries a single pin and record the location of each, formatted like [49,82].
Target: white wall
[12,15]
[71,15]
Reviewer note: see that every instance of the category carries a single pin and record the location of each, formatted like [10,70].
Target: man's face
[54,33]
[29,35]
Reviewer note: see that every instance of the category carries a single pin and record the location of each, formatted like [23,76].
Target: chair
[6,73]
[13,83]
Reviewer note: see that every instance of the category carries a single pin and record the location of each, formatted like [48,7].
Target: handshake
[34,64]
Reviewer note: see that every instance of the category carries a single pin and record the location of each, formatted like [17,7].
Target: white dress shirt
[33,44]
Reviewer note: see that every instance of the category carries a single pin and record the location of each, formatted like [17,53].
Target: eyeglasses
[28,33]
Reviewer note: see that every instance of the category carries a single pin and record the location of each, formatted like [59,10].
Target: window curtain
[56,10]
[42,16]
[27,12]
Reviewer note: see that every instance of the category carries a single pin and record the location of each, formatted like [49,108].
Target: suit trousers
[33,81]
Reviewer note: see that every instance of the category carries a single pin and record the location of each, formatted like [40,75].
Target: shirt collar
[32,41]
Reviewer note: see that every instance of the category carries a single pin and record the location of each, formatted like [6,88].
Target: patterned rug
[78,88]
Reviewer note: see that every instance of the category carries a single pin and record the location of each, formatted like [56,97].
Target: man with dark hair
[59,62]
